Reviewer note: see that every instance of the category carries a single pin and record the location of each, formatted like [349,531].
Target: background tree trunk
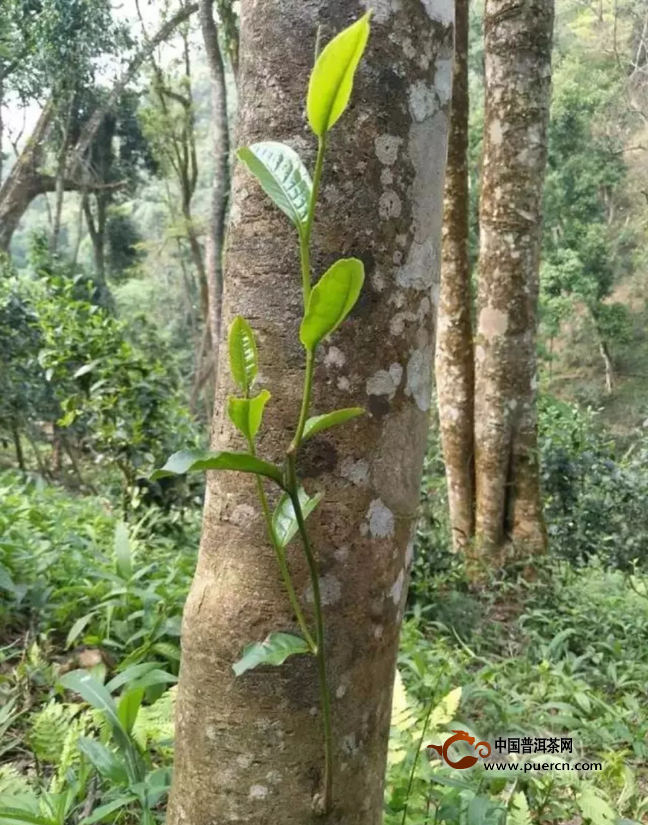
[221,182]
[250,749]
[455,378]
[25,182]
[518,77]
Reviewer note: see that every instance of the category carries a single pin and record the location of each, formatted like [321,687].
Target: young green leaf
[197,461]
[247,413]
[318,423]
[13,815]
[273,651]
[284,521]
[104,811]
[105,761]
[77,628]
[331,80]
[242,353]
[282,176]
[331,300]
[129,706]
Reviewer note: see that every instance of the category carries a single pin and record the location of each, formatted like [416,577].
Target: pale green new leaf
[445,711]
[247,413]
[129,706]
[242,353]
[331,300]
[13,815]
[595,808]
[284,520]
[104,811]
[273,651]
[96,694]
[197,461]
[283,177]
[318,423]
[519,811]
[107,763]
[331,80]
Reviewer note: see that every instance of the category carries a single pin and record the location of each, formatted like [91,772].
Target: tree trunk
[22,184]
[455,377]
[250,749]
[609,368]
[20,456]
[1,129]
[518,78]
[221,182]
[25,181]
[60,178]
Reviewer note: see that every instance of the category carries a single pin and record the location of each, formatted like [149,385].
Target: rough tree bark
[455,378]
[518,78]
[250,749]
[221,181]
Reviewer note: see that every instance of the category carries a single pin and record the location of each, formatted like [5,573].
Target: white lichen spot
[387,147]
[397,588]
[397,323]
[339,693]
[378,631]
[273,777]
[409,49]
[210,730]
[313,711]
[349,745]
[492,322]
[389,205]
[382,9]
[409,552]
[344,384]
[378,281]
[341,554]
[258,792]
[495,131]
[397,257]
[419,378]
[356,471]
[385,382]
[386,177]
[441,10]
[443,79]
[330,590]
[244,760]
[242,515]
[381,520]
[423,102]
[335,358]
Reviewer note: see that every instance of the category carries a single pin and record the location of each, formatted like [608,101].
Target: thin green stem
[305,233]
[431,707]
[325,697]
[306,400]
[281,561]
[293,488]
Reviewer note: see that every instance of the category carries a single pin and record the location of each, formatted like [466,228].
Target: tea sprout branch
[283,176]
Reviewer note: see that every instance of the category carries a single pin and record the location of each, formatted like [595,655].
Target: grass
[84,592]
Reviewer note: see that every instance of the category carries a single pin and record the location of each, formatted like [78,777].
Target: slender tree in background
[454,351]
[250,749]
[518,78]
[221,180]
